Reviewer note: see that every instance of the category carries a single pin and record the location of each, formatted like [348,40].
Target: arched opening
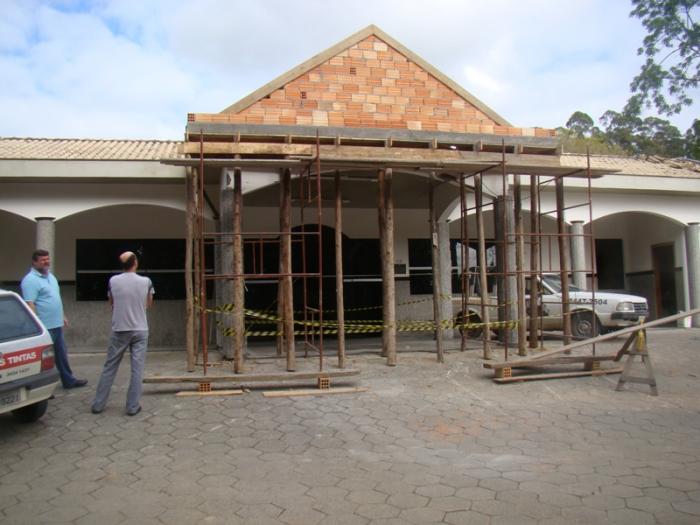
[642,253]
[18,241]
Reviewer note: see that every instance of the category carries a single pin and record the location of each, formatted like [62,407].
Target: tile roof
[641,165]
[86,149]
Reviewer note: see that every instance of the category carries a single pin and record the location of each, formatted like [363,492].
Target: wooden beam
[556,375]
[386,238]
[238,282]
[252,377]
[519,267]
[534,260]
[190,219]
[315,391]
[248,148]
[212,393]
[483,282]
[563,243]
[286,264]
[435,258]
[594,340]
[340,301]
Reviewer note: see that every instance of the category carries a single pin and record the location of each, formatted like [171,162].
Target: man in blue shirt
[40,291]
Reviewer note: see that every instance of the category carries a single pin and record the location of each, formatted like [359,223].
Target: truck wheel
[584,325]
[31,413]
[471,333]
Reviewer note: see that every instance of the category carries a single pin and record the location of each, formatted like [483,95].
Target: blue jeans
[137,342]
[61,357]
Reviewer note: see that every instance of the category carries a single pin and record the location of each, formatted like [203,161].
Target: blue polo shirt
[43,291]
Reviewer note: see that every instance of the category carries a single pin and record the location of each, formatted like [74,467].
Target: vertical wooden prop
[280,280]
[483,283]
[464,270]
[238,283]
[437,285]
[198,219]
[563,259]
[286,265]
[386,236]
[190,219]
[519,262]
[534,260]
[340,301]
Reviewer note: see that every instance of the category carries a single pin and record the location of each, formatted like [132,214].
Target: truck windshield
[554,282]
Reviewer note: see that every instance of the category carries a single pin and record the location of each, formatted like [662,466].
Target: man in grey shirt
[129,296]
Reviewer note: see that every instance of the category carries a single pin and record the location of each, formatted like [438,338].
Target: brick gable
[370,85]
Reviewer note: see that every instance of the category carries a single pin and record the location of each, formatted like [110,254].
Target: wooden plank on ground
[598,339]
[556,375]
[315,391]
[253,377]
[214,393]
[560,360]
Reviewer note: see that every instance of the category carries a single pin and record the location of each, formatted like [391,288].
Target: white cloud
[134,68]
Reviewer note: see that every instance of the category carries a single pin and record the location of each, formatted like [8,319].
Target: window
[15,322]
[162,260]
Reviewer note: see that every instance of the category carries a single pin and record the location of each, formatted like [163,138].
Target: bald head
[128,261]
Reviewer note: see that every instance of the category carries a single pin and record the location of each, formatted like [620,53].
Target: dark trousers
[61,356]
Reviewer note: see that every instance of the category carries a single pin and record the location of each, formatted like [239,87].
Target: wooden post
[190,219]
[199,296]
[464,269]
[483,282]
[238,282]
[386,236]
[281,270]
[340,301]
[286,265]
[224,260]
[563,259]
[437,285]
[519,260]
[534,260]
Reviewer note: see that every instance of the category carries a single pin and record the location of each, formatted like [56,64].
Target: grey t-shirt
[129,292]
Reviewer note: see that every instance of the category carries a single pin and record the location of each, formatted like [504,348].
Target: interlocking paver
[427,443]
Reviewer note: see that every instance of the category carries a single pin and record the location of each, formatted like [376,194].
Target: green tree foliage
[692,141]
[626,134]
[580,124]
[672,51]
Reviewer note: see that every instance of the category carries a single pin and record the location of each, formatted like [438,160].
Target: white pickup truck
[612,310]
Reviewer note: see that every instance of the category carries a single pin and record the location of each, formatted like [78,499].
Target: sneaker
[134,412]
[96,410]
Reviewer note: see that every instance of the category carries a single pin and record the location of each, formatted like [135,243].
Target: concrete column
[46,237]
[225,256]
[692,253]
[578,254]
[445,260]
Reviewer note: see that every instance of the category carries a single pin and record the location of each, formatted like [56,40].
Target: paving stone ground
[428,443]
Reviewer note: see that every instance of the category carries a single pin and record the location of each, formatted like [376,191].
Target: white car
[612,310]
[28,375]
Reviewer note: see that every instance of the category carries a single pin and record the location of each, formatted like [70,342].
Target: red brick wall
[370,85]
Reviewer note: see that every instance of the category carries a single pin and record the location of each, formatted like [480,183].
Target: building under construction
[363,193]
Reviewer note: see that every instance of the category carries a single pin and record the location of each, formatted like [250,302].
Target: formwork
[313,159]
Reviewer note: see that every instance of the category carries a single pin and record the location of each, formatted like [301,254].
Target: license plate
[10,398]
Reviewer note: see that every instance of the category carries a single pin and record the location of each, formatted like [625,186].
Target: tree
[672,51]
[692,141]
[648,136]
[580,124]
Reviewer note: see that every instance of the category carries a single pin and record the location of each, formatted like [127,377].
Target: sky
[135,68]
